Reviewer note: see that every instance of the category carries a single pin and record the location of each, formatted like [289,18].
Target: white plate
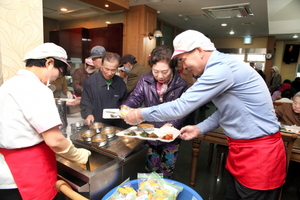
[290,129]
[160,132]
[113,113]
[65,99]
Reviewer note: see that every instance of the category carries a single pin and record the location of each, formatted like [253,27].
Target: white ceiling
[279,18]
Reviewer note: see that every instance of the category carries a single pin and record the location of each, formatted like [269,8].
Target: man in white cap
[256,161]
[81,74]
[29,128]
[97,53]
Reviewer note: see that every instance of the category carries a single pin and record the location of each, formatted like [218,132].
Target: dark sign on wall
[291,53]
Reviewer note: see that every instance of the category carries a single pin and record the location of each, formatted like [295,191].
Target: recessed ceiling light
[106,5]
[295,36]
[179,15]
[108,22]
[231,32]
[223,24]
[64,9]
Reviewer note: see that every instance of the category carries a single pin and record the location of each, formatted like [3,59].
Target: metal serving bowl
[99,140]
[97,126]
[109,131]
[87,135]
[145,127]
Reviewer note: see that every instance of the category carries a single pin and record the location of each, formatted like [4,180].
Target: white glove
[69,95]
[78,155]
[132,117]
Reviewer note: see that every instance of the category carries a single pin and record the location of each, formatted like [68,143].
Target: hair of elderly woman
[297,95]
[161,53]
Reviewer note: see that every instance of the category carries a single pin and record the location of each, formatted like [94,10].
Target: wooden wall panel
[138,22]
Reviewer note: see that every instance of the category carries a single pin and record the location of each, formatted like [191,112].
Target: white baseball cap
[189,40]
[48,50]
[89,61]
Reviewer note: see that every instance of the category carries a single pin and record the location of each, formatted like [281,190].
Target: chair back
[289,140]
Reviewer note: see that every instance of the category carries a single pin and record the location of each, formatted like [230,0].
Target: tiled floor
[211,188]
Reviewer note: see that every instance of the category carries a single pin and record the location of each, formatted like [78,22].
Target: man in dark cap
[134,71]
[97,53]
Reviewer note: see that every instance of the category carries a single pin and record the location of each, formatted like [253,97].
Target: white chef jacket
[27,108]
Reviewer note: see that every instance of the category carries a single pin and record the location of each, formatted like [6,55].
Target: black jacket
[97,95]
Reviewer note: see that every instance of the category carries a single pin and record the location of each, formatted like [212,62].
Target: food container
[99,140]
[96,126]
[87,135]
[109,131]
[145,127]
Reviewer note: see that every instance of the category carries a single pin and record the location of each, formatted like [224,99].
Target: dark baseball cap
[126,58]
[97,52]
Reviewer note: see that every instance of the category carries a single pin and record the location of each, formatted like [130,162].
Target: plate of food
[164,134]
[290,129]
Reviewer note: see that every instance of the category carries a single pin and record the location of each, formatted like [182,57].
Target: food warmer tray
[117,146]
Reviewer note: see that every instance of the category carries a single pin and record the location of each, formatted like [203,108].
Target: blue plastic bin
[186,194]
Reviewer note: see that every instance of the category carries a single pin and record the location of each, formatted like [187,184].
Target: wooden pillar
[269,62]
[138,22]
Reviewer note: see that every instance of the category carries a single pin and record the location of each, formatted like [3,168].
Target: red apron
[259,163]
[34,171]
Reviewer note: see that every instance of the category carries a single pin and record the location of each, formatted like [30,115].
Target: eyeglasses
[60,72]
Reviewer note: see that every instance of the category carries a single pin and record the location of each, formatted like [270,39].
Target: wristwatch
[269,56]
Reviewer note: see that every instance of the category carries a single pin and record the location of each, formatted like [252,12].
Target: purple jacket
[145,93]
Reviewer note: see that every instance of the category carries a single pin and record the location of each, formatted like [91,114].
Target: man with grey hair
[103,90]
[256,160]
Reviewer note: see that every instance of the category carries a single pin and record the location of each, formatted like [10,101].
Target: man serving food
[256,161]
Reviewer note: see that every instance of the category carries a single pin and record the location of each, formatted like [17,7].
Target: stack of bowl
[98,134]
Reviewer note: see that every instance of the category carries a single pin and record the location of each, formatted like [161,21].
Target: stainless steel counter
[110,165]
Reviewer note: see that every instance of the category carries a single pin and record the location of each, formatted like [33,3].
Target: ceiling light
[224,24]
[106,5]
[231,32]
[179,15]
[107,22]
[64,9]
[155,33]
[295,36]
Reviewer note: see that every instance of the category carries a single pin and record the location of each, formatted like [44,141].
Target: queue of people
[163,95]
